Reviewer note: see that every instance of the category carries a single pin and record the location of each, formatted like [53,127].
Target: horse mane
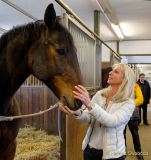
[26,28]
[33,28]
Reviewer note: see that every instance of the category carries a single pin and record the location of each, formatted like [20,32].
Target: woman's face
[115,76]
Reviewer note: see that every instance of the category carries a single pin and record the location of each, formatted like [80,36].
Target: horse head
[53,60]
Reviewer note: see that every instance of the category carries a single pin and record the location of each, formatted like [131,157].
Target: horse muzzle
[73,105]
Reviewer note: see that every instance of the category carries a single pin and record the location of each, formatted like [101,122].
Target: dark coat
[145,88]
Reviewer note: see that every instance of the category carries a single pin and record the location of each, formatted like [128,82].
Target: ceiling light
[111,20]
[117,30]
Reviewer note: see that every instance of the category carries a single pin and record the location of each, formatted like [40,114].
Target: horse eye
[60,51]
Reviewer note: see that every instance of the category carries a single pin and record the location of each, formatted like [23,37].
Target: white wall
[135,47]
[106,52]
[139,59]
[113,45]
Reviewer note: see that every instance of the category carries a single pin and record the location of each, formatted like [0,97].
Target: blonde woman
[107,113]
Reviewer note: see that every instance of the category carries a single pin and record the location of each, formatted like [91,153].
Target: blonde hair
[126,90]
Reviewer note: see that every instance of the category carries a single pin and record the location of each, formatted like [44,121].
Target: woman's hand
[82,94]
[68,111]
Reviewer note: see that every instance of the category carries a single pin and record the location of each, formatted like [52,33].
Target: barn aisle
[145,137]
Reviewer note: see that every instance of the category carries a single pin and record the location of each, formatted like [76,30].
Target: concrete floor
[145,138]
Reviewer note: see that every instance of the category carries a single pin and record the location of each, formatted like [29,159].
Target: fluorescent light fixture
[111,20]
[117,30]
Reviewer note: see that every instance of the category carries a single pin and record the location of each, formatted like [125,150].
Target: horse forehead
[54,33]
[52,53]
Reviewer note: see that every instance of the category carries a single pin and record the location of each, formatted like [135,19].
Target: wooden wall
[75,135]
[36,98]
[32,99]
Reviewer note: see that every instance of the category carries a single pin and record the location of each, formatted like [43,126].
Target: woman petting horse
[44,49]
[107,113]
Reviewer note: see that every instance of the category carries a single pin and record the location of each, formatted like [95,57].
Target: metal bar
[97,22]
[19,9]
[69,11]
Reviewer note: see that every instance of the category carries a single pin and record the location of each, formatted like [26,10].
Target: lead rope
[10,118]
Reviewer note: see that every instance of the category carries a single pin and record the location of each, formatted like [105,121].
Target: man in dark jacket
[145,88]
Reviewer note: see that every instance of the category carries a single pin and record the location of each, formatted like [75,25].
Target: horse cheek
[36,59]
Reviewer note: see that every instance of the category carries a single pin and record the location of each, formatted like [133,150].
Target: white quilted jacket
[113,121]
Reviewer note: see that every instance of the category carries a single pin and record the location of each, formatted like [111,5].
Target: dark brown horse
[105,76]
[44,49]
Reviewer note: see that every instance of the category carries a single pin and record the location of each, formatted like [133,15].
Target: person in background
[145,88]
[134,121]
[107,114]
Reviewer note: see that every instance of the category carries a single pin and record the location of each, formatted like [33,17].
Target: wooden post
[63,136]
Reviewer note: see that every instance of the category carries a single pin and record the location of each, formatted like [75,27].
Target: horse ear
[50,16]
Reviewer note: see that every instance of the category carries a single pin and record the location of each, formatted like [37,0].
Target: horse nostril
[78,103]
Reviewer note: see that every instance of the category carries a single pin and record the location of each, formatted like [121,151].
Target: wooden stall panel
[35,99]
[75,135]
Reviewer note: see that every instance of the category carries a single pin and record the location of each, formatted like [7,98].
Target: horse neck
[13,70]
[9,83]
